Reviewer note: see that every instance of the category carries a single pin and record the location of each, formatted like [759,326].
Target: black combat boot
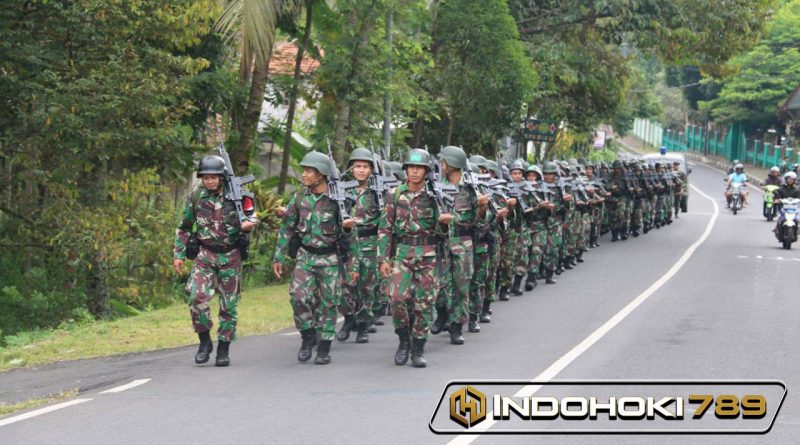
[222,353]
[473,323]
[404,348]
[362,336]
[455,334]
[579,258]
[515,290]
[635,231]
[417,351]
[441,319]
[502,295]
[530,281]
[486,312]
[370,327]
[614,236]
[380,313]
[323,353]
[347,326]
[567,264]
[549,278]
[309,339]
[205,348]
[623,234]
[574,259]
[646,228]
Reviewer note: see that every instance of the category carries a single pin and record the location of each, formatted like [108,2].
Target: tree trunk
[341,128]
[97,290]
[247,126]
[298,63]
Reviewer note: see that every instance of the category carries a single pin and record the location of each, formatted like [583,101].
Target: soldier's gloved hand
[281,212]
[178,266]
[386,269]
[445,218]
[277,269]
[349,223]
[483,200]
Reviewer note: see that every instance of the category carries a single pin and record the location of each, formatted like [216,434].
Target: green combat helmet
[616,164]
[454,157]
[518,164]
[318,161]
[535,168]
[418,156]
[396,169]
[478,160]
[494,168]
[550,167]
[211,165]
[360,154]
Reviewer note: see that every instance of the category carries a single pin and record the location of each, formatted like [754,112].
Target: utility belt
[319,250]
[464,231]
[366,233]
[219,249]
[417,240]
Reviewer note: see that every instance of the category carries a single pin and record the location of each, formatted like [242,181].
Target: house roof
[793,102]
[283,60]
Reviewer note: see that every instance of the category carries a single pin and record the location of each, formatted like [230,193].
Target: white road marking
[41,411]
[583,346]
[743,257]
[780,258]
[126,387]
[759,257]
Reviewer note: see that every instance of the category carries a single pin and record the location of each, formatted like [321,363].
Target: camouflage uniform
[218,265]
[315,290]
[362,298]
[617,221]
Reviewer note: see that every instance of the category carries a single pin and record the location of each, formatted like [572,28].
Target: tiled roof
[283,59]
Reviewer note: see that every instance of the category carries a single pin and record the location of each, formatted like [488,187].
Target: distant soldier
[312,231]
[619,190]
[682,188]
[212,224]
[558,201]
[407,236]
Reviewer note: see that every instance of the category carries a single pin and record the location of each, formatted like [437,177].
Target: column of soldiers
[431,242]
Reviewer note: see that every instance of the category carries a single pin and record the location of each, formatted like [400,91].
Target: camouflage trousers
[538,242]
[596,221]
[503,261]
[455,289]
[670,204]
[551,248]
[571,226]
[493,279]
[360,300]
[315,293]
[521,247]
[478,286]
[617,215]
[605,215]
[636,213]
[412,289]
[661,208]
[586,226]
[647,212]
[215,272]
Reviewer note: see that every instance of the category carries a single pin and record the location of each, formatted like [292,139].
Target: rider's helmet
[790,175]
[775,169]
[738,167]
[736,161]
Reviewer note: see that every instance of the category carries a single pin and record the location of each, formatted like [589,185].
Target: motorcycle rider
[788,190]
[774,177]
[737,176]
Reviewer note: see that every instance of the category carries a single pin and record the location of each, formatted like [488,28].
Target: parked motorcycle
[787,232]
[769,210]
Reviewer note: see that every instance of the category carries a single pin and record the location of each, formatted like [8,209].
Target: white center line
[41,411]
[126,387]
[569,357]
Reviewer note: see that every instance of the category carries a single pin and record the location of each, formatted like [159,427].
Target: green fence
[729,143]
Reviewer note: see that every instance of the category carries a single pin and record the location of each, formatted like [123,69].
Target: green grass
[262,310]
[34,403]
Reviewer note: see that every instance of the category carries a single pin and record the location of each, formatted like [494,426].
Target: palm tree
[250,25]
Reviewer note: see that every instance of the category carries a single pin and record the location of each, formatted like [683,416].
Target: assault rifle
[379,183]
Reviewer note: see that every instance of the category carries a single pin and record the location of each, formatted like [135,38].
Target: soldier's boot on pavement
[323,353]
[486,311]
[473,323]
[515,290]
[502,294]
[362,336]
[308,340]
[417,351]
[222,353]
[205,348]
[371,327]
[579,257]
[549,277]
[567,264]
[381,312]
[574,259]
[635,231]
[404,348]
[530,281]
[614,236]
[455,334]
[623,235]
[441,319]
[646,228]
[347,326]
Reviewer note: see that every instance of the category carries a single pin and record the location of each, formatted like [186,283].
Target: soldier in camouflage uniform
[597,203]
[312,226]
[360,299]
[538,228]
[647,201]
[619,190]
[470,217]
[681,189]
[637,199]
[520,233]
[662,189]
[215,223]
[557,201]
[569,226]
[499,246]
[407,236]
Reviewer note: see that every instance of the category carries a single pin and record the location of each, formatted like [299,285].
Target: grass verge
[261,311]
[35,403]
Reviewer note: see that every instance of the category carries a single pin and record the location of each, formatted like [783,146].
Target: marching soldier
[218,263]
[555,221]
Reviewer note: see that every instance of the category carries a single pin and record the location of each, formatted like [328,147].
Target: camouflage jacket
[466,226]
[367,216]
[214,219]
[619,181]
[316,220]
[408,215]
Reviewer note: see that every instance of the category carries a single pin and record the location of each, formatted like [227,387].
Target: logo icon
[467,406]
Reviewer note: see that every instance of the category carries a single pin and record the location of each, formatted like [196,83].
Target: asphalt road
[729,312]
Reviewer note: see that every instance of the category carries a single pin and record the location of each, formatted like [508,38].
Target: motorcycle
[787,232]
[769,210]
[736,196]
